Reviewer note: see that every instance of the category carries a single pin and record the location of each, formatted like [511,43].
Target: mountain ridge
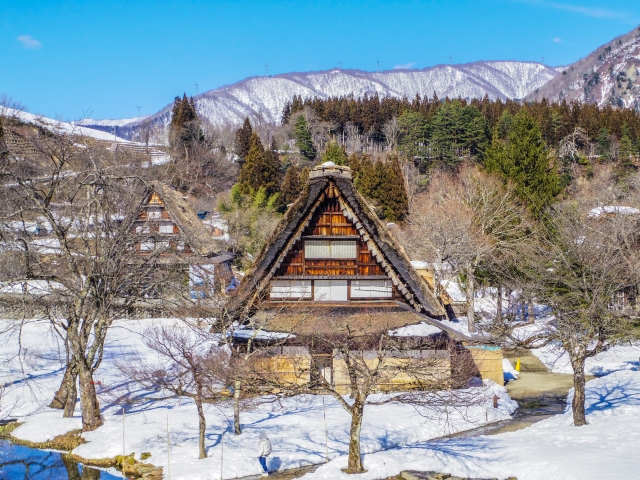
[263,98]
[609,75]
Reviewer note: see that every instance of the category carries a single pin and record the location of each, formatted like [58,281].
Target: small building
[332,268]
[168,226]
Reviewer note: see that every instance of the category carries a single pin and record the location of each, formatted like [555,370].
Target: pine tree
[291,185]
[243,140]
[270,169]
[286,113]
[604,144]
[413,134]
[303,138]
[393,199]
[250,172]
[261,169]
[334,153]
[627,150]
[525,160]
[185,124]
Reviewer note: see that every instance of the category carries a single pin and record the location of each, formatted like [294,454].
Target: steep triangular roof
[329,179]
[195,232]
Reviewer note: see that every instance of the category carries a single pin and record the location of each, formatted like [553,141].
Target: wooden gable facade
[155,219]
[330,248]
[331,262]
[168,227]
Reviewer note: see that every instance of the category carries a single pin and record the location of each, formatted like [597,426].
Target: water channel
[24,463]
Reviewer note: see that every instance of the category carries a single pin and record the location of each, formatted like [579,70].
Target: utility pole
[266,70]
[196,89]
[378,65]
[450,60]
[543,60]
[340,65]
[139,108]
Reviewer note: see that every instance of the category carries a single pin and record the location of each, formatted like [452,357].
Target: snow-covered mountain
[610,75]
[263,98]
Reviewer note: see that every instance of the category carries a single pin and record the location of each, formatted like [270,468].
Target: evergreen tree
[243,140]
[504,125]
[626,143]
[393,198]
[286,113]
[413,134]
[475,134]
[185,123]
[250,174]
[260,170]
[525,160]
[270,169]
[604,143]
[291,185]
[334,153]
[303,138]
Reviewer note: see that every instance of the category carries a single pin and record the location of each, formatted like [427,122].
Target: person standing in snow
[265,450]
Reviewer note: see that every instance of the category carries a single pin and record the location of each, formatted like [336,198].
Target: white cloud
[28,41]
[404,67]
[557,40]
[587,11]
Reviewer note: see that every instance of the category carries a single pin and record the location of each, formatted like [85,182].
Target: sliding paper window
[371,289]
[290,289]
[330,249]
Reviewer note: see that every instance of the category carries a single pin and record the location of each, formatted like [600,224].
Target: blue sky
[111,59]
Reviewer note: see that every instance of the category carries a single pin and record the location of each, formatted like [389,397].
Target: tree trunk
[71,466]
[236,407]
[90,473]
[202,427]
[579,417]
[357,412]
[89,404]
[499,304]
[471,296]
[67,395]
[532,313]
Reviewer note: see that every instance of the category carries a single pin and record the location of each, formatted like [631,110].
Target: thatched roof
[303,319]
[196,233]
[385,248]
[17,145]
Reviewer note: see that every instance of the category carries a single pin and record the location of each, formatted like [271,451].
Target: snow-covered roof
[420,330]
[612,210]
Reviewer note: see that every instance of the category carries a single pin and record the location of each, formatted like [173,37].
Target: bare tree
[88,197]
[358,357]
[465,220]
[585,267]
[192,366]
[391,131]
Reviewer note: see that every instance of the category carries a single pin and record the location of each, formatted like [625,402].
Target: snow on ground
[294,425]
[550,449]
[621,357]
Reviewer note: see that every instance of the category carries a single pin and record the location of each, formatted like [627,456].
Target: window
[142,229]
[166,228]
[290,289]
[330,249]
[148,245]
[153,212]
[371,289]
[330,291]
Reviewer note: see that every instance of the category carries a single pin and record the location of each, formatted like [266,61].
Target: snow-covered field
[394,437]
[296,426]
[607,448]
